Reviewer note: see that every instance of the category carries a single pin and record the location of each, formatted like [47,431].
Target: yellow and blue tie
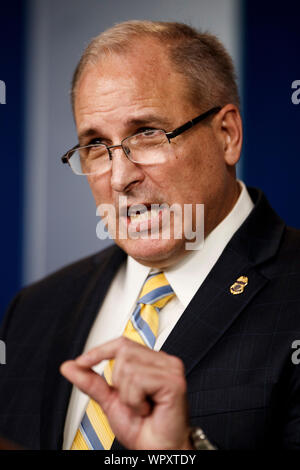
[94,432]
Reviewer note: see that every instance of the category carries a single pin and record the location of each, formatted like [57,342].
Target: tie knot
[156,291]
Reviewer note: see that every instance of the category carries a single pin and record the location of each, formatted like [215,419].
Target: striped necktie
[94,432]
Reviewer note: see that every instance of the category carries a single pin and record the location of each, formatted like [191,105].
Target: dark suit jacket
[243,388]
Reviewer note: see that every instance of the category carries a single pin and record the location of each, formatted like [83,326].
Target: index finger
[107,350]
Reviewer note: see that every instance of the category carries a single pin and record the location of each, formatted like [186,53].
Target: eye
[96,141]
[147,131]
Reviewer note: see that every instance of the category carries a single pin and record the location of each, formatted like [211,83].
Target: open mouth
[144,217]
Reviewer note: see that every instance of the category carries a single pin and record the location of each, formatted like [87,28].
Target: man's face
[124,94]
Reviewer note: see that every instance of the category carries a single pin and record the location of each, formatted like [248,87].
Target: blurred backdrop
[48,214]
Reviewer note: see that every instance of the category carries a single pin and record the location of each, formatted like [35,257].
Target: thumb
[88,381]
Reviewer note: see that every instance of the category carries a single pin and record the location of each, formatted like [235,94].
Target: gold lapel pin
[239,285]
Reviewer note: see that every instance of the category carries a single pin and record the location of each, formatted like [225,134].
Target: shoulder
[287,260]
[73,273]
[60,290]
[281,295]
[291,240]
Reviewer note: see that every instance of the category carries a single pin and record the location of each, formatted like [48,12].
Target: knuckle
[92,385]
[177,364]
[122,373]
[127,369]
[136,379]
[182,385]
[115,376]
[125,346]
[117,370]
[179,385]
[122,342]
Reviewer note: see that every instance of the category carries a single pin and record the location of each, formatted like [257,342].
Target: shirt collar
[187,276]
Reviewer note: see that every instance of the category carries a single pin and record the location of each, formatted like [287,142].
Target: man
[157,114]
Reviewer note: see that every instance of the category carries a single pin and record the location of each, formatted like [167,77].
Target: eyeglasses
[145,148]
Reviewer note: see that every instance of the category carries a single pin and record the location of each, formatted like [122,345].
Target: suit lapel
[214,308]
[71,334]
[210,313]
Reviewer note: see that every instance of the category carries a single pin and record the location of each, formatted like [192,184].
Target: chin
[155,253]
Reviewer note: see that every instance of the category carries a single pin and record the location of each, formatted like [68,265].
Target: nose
[124,173]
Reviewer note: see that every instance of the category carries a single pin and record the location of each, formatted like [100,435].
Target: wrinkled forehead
[144,69]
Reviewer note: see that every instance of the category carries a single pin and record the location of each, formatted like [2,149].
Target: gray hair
[200,57]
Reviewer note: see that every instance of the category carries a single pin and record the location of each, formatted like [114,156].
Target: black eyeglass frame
[170,135]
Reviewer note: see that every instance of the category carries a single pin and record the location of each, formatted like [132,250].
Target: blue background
[12,37]
[270,48]
[272,122]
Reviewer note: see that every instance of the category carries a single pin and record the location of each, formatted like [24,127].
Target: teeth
[147,215]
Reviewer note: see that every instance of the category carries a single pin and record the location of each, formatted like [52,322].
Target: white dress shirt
[185,278]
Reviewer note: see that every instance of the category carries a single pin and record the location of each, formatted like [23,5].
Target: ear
[230,133]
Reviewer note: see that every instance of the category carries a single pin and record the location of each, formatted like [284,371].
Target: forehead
[141,77]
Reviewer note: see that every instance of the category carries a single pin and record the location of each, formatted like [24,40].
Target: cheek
[195,174]
[185,173]
[100,188]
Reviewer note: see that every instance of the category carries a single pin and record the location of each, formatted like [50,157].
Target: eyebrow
[131,123]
